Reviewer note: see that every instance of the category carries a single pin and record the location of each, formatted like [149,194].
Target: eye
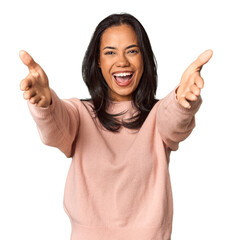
[109,53]
[133,51]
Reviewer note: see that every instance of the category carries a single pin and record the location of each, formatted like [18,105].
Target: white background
[56,33]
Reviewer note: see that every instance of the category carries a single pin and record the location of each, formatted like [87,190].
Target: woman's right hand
[35,85]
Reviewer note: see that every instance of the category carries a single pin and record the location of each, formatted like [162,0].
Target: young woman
[118,186]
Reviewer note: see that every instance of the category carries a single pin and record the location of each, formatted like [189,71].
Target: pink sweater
[118,185]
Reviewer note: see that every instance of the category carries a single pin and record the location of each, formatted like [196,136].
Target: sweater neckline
[120,102]
[119,106]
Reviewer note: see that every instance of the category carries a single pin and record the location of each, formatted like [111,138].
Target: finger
[199,82]
[43,102]
[35,99]
[195,90]
[28,60]
[202,59]
[190,96]
[26,84]
[29,94]
[184,103]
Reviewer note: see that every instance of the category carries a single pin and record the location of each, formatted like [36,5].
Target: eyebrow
[130,46]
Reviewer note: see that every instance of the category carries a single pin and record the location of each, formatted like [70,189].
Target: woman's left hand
[191,81]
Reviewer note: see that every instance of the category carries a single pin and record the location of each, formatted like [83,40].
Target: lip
[122,84]
[122,72]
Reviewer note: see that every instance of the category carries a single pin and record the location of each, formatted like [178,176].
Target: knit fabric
[118,185]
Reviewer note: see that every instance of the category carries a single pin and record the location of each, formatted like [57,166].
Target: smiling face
[120,61]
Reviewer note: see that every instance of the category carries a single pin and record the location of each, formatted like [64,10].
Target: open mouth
[123,78]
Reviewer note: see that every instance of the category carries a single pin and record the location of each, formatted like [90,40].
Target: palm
[35,85]
[191,81]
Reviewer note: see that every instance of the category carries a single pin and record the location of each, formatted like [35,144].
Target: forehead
[118,36]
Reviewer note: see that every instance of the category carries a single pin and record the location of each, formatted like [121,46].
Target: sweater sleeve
[174,122]
[58,123]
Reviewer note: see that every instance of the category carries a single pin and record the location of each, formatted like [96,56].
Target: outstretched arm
[176,112]
[57,120]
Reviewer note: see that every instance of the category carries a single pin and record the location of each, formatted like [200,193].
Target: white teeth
[122,74]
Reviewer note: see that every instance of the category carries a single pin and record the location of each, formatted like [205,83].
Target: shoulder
[87,103]
[78,102]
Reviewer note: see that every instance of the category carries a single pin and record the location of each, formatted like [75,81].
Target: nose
[122,61]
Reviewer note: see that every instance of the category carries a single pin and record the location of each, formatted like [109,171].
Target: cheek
[140,71]
[105,69]
[140,65]
[105,66]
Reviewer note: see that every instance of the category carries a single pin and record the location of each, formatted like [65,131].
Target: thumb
[28,60]
[201,60]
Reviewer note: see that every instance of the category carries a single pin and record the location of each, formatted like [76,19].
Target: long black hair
[143,96]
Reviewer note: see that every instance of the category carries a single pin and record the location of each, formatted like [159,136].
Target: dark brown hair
[144,95]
